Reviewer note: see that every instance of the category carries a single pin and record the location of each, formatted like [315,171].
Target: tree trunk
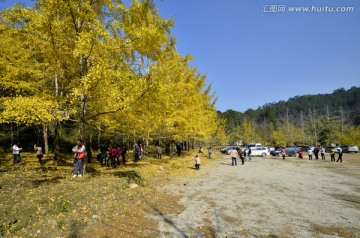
[99,138]
[46,143]
[83,117]
[56,140]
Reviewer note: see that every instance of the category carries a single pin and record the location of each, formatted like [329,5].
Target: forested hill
[341,104]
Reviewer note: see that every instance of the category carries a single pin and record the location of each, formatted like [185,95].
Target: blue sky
[253,53]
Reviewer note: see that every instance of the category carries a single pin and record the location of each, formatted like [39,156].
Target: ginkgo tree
[102,64]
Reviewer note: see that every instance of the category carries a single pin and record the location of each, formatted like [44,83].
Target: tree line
[99,71]
[321,119]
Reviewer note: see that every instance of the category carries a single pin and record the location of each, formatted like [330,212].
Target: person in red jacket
[301,154]
[79,155]
[112,155]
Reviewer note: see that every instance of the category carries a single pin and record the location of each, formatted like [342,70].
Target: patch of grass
[47,202]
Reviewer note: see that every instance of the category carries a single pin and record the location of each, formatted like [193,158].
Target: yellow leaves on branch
[30,110]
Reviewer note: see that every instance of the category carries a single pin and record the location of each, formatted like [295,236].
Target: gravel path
[267,197]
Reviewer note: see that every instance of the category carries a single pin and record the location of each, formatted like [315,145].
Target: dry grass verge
[47,202]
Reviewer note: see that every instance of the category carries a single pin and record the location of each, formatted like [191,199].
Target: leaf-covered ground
[47,202]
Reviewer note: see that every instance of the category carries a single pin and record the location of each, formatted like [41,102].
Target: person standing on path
[16,153]
[159,152]
[197,162]
[332,154]
[316,152]
[322,152]
[233,155]
[283,153]
[79,155]
[249,153]
[210,152]
[39,153]
[310,153]
[241,155]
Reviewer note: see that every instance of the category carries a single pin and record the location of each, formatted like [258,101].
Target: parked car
[292,150]
[277,151]
[306,148]
[350,148]
[236,147]
[329,148]
[254,145]
[259,151]
[223,150]
[270,148]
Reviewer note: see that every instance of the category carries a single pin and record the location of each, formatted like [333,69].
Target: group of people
[321,150]
[235,153]
[111,155]
[16,151]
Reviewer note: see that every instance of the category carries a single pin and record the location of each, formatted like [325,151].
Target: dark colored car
[292,150]
[277,151]
[223,150]
[306,148]
[227,150]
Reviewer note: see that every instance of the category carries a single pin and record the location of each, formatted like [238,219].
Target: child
[310,152]
[197,164]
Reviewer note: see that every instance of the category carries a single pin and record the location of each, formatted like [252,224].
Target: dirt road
[267,197]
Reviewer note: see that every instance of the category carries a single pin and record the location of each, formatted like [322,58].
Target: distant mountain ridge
[339,103]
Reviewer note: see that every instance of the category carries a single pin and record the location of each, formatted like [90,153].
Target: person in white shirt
[322,152]
[16,153]
[310,154]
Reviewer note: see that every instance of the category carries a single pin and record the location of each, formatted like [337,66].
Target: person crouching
[197,162]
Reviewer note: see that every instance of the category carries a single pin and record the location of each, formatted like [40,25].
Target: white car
[259,151]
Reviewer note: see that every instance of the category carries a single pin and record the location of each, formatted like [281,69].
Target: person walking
[16,153]
[233,155]
[197,162]
[310,153]
[340,152]
[39,153]
[79,155]
[283,153]
[322,152]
